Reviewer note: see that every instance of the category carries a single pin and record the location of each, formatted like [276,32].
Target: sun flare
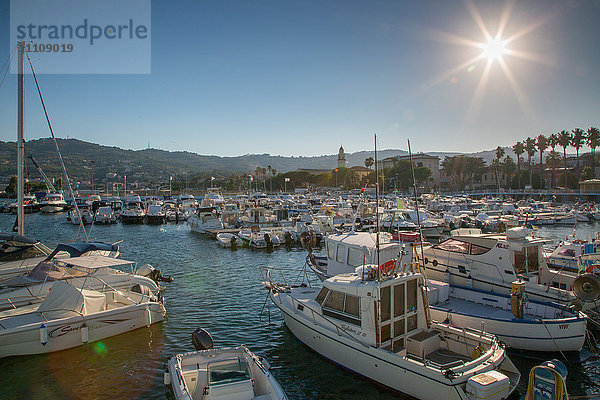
[494,49]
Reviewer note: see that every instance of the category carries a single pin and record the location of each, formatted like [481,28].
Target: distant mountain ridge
[82,157]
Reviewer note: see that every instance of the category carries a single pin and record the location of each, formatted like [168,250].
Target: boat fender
[84,333]
[166,378]
[43,334]
[148,316]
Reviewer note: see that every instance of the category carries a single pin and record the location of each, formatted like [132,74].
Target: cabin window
[386,333]
[411,295]
[399,301]
[411,323]
[341,253]
[352,305]
[355,257]
[526,260]
[335,301]
[477,250]
[343,307]
[453,245]
[322,294]
[331,250]
[567,252]
[385,303]
[399,327]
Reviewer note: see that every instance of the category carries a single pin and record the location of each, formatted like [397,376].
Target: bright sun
[494,49]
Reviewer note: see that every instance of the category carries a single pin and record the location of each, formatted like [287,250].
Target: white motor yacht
[205,219]
[53,202]
[376,325]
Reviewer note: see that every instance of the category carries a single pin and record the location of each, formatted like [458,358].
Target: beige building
[420,160]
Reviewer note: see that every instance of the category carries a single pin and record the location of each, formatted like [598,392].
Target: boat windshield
[14,251]
[228,371]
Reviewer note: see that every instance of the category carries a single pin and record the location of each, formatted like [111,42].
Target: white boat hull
[67,332]
[378,365]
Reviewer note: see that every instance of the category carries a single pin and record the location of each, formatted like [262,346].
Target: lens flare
[494,49]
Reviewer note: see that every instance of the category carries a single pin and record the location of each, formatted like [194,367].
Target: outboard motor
[547,381]
[234,243]
[153,273]
[202,340]
[268,240]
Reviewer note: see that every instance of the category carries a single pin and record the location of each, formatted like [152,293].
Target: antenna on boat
[424,289]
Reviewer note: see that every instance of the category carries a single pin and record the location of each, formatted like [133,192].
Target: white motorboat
[156,214]
[491,262]
[105,215]
[346,251]
[223,374]
[259,239]
[53,202]
[566,255]
[133,213]
[227,239]
[94,272]
[537,326]
[70,317]
[379,328]
[87,216]
[205,219]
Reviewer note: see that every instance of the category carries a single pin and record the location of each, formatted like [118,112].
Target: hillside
[153,165]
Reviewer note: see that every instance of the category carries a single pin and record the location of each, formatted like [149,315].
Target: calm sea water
[216,289]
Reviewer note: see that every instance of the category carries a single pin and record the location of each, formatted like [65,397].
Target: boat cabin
[388,314]
[347,251]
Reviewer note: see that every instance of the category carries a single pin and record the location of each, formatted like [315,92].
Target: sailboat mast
[377,206]
[20,139]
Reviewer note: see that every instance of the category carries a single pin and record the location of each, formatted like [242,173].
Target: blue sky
[302,77]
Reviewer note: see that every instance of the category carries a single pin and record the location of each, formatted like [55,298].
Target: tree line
[465,170]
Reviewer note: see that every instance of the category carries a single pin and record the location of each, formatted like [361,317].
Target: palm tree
[530,147]
[499,155]
[369,161]
[593,140]
[542,144]
[509,167]
[577,141]
[553,142]
[519,148]
[564,140]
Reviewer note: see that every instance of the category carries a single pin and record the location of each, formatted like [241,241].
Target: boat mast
[20,139]
[377,208]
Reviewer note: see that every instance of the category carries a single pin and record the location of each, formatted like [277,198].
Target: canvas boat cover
[68,298]
[78,248]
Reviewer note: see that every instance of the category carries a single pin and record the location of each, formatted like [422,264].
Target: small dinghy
[227,240]
[233,373]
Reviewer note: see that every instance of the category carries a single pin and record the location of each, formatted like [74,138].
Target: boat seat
[199,383]
[242,390]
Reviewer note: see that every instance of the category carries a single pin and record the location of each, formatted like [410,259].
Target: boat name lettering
[502,245]
[349,329]
[63,330]
[563,326]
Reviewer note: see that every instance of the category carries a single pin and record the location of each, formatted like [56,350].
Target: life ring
[592,268]
[387,266]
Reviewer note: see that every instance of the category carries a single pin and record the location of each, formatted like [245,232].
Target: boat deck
[479,310]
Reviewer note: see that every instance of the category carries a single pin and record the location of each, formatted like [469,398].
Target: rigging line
[62,164]
[7,65]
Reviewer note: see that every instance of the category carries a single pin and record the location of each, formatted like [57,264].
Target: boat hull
[386,368]
[67,332]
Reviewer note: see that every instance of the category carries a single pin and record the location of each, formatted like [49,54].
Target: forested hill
[80,157]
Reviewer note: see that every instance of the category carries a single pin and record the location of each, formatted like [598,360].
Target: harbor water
[219,290]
